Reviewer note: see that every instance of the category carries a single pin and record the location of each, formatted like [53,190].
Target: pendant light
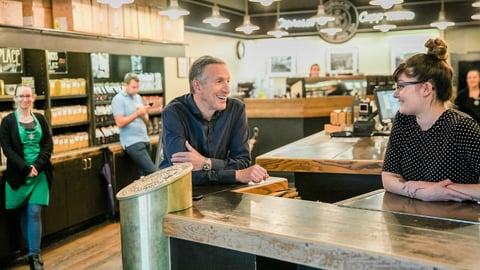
[265,3]
[331,29]
[321,18]
[384,26]
[115,3]
[277,31]
[174,11]
[246,27]
[385,4]
[215,19]
[476,16]
[442,22]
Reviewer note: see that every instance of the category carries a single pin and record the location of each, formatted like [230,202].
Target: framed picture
[342,61]
[398,55]
[182,67]
[281,66]
[57,62]
[137,63]
[11,60]
[100,65]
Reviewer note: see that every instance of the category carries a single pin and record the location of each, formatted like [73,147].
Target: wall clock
[240,49]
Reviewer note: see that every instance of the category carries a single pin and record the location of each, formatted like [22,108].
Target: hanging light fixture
[174,11]
[264,2]
[476,16]
[398,13]
[277,31]
[385,4]
[442,22]
[115,3]
[321,18]
[384,26]
[246,27]
[215,19]
[331,29]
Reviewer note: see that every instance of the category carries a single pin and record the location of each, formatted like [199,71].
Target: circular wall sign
[240,49]
[346,18]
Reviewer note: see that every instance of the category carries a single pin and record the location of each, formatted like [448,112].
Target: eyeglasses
[401,85]
[25,96]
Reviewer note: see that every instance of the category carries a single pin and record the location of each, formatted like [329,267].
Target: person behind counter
[468,99]
[209,129]
[433,152]
[27,143]
[314,71]
[131,117]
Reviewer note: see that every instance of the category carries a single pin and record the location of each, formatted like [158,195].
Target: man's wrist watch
[206,165]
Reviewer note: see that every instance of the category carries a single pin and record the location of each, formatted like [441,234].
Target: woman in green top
[27,143]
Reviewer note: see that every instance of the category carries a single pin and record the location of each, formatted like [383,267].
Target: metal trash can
[143,204]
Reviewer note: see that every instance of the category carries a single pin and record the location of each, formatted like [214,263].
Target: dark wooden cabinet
[86,189]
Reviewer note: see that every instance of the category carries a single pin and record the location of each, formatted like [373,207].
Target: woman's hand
[434,191]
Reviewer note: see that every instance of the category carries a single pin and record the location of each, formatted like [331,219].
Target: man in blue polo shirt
[131,117]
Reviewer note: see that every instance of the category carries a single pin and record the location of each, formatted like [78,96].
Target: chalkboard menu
[10,60]
[57,62]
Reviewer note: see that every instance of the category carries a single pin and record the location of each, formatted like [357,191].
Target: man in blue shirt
[131,117]
[209,129]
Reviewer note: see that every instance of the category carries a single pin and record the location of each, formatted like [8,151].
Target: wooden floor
[96,248]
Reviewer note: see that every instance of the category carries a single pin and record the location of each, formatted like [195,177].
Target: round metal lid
[155,181]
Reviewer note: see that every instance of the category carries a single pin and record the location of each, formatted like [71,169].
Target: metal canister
[143,204]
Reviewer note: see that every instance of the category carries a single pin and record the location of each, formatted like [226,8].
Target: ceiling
[426,11]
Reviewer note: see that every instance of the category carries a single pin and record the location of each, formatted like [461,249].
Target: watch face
[206,165]
[346,18]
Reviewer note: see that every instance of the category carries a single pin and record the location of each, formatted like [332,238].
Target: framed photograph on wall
[398,55]
[342,61]
[281,66]
[182,67]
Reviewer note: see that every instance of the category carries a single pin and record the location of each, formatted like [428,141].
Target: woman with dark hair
[27,143]
[468,98]
[434,152]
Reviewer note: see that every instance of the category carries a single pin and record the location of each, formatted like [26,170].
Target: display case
[324,86]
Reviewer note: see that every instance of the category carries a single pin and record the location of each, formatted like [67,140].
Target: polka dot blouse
[450,149]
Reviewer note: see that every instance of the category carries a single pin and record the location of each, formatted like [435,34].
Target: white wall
[374,52]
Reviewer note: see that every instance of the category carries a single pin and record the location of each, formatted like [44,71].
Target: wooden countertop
[323,154]
[295,107]
[326,236]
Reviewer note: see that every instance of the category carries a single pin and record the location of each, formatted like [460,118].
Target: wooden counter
[315,234]
[330,169]
[296,107]
[321,153]
[282,121]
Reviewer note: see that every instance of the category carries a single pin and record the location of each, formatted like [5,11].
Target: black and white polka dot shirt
[450,149]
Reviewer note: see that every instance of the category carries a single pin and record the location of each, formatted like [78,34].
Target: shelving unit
[151,73]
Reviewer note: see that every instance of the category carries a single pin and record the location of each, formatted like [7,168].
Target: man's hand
[191,156]
[255,173]
[142,110]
